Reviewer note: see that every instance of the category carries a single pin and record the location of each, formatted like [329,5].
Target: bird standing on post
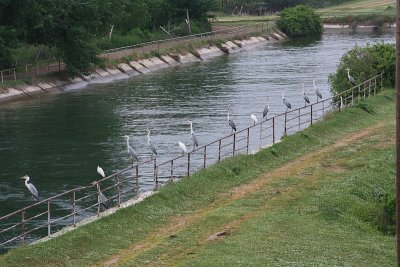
[131,151]
[306,99]
[30,187]
[317,92]
[254,118]
[192,136]
[183,147]
[266,109]
[231,123]
[100,171]
[351,79]
[151,145]
[287,104]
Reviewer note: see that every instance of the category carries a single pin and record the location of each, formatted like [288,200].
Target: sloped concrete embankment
[134,68]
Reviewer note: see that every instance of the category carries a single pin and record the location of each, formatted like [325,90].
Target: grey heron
[231,123]
[183,147]
[351,79]
[101,198]
[317,92]
[30,187]
[151,144]
[192,136]
[266,109]
[131,152]
[100,171]
[254,118]
[306,99]
[341,105]
[287,104]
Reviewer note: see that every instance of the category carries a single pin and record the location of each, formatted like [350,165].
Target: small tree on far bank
[299,21]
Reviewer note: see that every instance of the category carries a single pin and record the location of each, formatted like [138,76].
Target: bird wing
[352,80]
[306,99]
[194,139]
[101,172]
[153,148]
[232,124]
[265,111]
[287,103]
[318,93]
[33,191]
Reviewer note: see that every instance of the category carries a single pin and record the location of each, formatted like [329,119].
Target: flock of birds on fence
[134,156]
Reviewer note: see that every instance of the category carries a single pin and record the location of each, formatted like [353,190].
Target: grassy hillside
[315,199]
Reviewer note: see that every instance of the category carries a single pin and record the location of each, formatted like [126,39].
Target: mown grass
[294,221]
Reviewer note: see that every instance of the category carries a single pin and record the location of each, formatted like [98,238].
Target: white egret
[231,123]
[100,171]
[183,147]
[30,187]
[254,118]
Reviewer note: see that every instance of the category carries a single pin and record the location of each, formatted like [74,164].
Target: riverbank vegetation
[365,62]
[299,21]
[319,197]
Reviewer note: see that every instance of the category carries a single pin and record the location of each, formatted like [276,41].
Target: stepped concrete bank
[134,68]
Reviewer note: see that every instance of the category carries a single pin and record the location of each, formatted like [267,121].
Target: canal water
[59,140]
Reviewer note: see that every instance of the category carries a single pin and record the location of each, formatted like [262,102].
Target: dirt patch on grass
[180,223]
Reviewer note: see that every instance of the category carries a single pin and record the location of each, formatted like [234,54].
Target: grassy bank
[310,200]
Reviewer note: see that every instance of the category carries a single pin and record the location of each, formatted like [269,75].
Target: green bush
[364,63]
[299,21]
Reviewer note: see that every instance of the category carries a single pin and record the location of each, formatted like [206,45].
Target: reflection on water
[59,140]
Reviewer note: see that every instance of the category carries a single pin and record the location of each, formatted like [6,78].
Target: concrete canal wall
[134,68]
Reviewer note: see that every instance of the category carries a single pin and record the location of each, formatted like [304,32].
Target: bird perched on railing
[30,187]
[231,123]
[192,136]
[101,198]
[306,99]
[151,144]
[254,118]
[287,104]
[317,92]
[100,171]
[183,147]
[266,109]
[131,152]
[351,79]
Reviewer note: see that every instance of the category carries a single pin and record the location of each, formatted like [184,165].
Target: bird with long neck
[285,102]
[101,198]
[306,99]
[192,136]
[266,109]
[151,145]
[30,187]
[317,92]
[131,152]
[351,79]
[231,123]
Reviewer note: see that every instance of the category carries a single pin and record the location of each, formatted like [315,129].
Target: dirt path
[182,222]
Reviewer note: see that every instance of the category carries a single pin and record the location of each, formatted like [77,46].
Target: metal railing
[46,217]
[29,71]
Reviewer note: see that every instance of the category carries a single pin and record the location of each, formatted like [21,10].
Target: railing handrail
[171,161]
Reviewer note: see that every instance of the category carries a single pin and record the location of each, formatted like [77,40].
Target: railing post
[359,92]
[15,75]
[285,132]
[369,88]
[311,113]
[2,79]
[23,225]
[205,157]
[323,108]
[155,170]
[299,119]
[172,169]
[137,173]
[48,219]
[234,144]
[352,97]
[364,89]
[381,80]
[248,140]
[188,165]
[73,208]
[219,150]
[119,191]
[273,130]
[375,86]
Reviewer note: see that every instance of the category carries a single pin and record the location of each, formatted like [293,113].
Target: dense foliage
[263,7]
[76,27]
[365,62]
[299,21]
